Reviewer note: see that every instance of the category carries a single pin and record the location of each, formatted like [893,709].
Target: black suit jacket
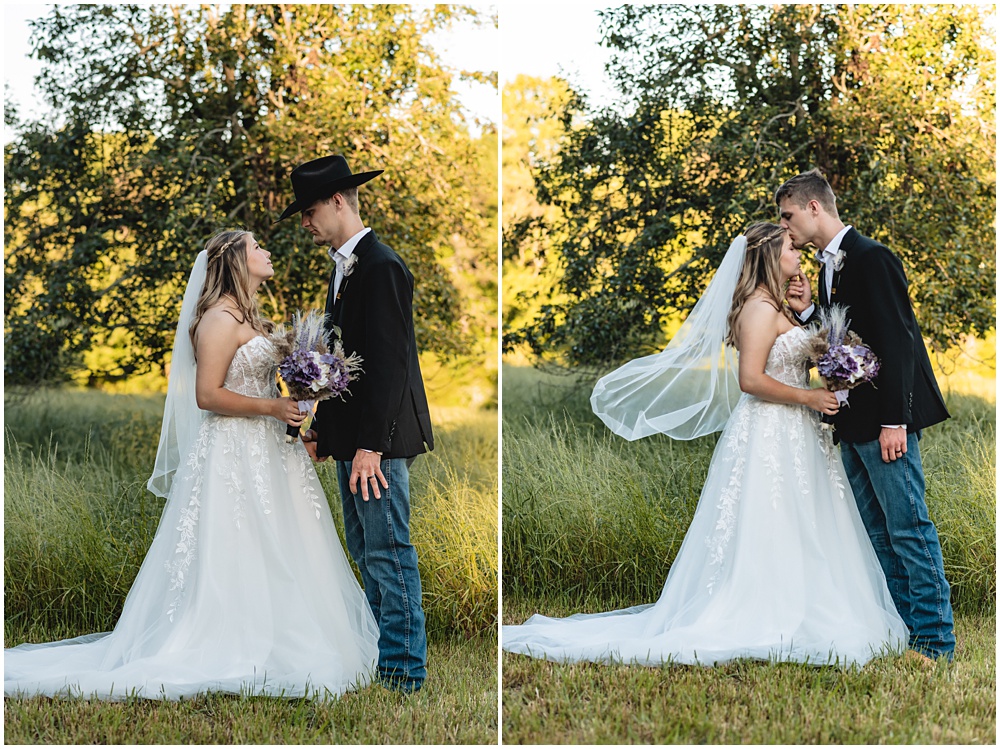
[873,287]
[386,410]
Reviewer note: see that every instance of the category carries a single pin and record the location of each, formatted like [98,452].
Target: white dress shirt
[828,256]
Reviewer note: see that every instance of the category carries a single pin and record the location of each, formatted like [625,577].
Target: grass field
[458,705]
[78,521]
[888,701]
[584,512]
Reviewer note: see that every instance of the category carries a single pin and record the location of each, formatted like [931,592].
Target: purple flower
[301,368]
[338,375]
[848,365]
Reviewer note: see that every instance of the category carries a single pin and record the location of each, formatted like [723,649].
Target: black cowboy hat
[321,178]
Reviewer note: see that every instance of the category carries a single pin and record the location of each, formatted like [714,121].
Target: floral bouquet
[311,368]
[840,356]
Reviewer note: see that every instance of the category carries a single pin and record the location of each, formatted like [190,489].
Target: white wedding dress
[245,588]
[776,564]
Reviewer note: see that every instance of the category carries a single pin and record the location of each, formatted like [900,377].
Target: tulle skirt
[245,589]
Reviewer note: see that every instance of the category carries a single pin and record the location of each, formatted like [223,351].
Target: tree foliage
[534,113]
[175,121]
[722,103]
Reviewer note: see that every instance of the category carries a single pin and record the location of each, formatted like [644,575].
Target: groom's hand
[893,443]
[309,440]
[798,294]
[367,466]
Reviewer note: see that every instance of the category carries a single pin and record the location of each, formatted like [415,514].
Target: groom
[373,433]
[879,430]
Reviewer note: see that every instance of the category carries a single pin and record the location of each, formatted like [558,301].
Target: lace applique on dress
[309,480]
[738,433]
[185,550]
[242,441]
[251,373]
[787,364]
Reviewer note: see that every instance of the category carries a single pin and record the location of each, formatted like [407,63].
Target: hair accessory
[764,240]
[215,254]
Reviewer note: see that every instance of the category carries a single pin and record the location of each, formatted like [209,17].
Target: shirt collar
[832,249]
[347,249]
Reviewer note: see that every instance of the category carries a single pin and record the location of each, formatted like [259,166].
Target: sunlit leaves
[720,104]
[172,122]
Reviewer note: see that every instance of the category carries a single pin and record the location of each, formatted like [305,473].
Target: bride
[245,588]
[776,564]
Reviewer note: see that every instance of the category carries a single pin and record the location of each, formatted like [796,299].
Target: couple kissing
[798,551]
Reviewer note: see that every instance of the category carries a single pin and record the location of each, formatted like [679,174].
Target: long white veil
[181,415]
[691,387]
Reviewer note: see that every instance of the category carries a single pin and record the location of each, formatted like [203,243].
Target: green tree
[719,105]
[174,121]
[536,114]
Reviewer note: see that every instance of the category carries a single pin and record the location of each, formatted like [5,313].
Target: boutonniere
[838,264]
[349,265]
[838,260]
[348,269]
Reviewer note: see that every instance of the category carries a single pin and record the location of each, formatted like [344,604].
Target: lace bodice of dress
[252,371]
[787,361]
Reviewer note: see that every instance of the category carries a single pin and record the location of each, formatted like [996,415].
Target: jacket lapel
[848,242]
[340,294]
[333,305]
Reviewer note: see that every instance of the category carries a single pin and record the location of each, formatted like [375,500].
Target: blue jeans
[378,538]
[890,498]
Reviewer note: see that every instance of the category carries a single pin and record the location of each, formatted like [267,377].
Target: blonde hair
[227,275]
[761,269]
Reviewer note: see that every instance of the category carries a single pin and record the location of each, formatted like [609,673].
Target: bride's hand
[287,410]
[822,400]
[798,294]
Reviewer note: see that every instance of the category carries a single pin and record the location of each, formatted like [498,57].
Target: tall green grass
[78,518]
[587,512]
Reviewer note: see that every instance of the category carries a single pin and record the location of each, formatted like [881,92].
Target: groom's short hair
[811,185]
[350,195]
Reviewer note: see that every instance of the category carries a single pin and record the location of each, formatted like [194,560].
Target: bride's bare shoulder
[760,296]
[218,325]
[224,307]
[757,321]
[758,307]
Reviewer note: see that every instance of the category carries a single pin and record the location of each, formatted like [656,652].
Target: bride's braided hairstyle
[761,269]
[227,275]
